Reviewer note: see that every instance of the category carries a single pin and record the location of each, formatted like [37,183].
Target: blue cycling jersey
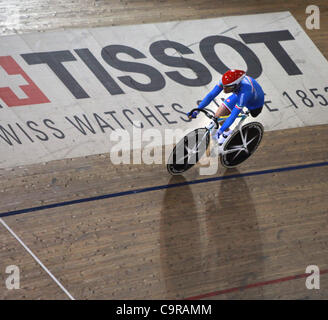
[249,95]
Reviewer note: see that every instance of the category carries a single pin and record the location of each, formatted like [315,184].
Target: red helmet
[233,77]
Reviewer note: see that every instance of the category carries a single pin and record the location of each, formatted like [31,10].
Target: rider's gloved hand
[193,114]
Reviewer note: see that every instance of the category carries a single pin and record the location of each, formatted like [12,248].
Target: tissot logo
[64,93]
[55,61]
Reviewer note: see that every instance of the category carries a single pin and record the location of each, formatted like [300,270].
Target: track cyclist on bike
[246,92]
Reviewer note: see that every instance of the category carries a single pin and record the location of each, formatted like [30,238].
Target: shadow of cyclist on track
[209,238]
[234,252]
[180,247]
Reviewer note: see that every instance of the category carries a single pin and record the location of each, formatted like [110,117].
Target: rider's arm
[210,96]
[229,121]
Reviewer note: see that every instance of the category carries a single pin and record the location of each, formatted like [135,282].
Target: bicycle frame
[243,116]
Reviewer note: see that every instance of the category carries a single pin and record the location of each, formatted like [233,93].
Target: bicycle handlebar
[215,119]
[208,114]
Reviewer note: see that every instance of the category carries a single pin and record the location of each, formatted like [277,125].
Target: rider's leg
[221,112]
[258,106]
[256,112]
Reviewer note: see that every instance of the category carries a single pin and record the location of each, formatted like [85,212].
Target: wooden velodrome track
[191,240]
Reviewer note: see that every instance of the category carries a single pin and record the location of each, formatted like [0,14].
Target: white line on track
[36,259]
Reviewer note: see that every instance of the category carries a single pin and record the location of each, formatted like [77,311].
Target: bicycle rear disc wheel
[188,151]
[253,133]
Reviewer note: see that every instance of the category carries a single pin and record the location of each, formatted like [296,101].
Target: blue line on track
[161,187]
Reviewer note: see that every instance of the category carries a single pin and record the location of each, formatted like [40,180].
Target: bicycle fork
[238,148]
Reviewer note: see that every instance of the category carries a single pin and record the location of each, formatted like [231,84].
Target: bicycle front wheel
[188,151]
[252,133]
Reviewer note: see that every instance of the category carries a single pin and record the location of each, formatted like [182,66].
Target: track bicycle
[238,147]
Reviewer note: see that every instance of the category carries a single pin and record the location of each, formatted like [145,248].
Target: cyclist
[246,92]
